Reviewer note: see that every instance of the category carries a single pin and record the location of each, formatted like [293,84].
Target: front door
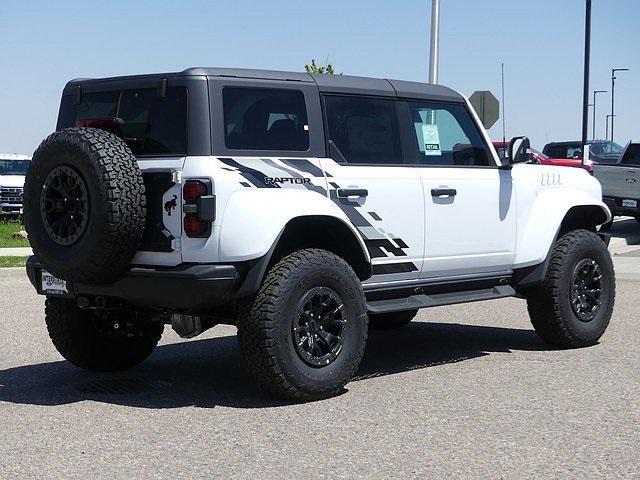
[368,180]
[469,203]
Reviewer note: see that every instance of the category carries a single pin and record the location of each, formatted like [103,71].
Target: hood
[12,181]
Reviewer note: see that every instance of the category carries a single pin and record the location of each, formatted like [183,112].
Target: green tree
[313,67]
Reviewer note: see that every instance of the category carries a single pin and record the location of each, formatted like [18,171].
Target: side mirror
[518,149]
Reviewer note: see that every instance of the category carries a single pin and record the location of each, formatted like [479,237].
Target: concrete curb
[15,252]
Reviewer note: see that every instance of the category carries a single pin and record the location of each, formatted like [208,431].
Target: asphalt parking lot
[464,391]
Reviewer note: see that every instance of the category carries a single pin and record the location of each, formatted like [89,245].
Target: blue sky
[45,43]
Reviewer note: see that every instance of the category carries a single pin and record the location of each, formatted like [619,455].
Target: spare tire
[84,205]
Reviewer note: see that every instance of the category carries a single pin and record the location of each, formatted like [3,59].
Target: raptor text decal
[290,180]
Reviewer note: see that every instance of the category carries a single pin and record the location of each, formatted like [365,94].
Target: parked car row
[13,169]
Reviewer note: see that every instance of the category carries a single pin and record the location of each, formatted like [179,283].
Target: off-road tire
[549,304]
[89,341]
[388,321]
[265,323]
[116,205]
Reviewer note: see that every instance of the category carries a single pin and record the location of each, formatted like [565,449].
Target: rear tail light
[194,189]
[194,227]
[199,208]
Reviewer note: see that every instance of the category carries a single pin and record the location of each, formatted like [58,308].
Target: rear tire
[573,306]
[303,334]
[389,321]
[90,341]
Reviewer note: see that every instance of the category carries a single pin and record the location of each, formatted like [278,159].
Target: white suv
[13,169]
[302,208]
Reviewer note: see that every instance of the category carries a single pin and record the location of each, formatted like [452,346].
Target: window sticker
[431,140]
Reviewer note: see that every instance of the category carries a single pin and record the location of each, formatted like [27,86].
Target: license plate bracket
[50,285]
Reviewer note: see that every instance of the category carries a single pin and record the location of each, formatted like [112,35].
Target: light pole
[595,92]
[607,125]
[434,50]
[613,86]
[585,84]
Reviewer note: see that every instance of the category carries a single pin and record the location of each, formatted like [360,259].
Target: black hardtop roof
[346,84]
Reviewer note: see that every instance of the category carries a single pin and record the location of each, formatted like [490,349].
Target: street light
[613,86]
[595,92]
[607,125]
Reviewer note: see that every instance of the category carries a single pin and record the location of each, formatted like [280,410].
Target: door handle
[443,192]
[352,192]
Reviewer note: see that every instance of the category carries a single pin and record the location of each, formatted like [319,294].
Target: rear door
[469,203]
[370,181]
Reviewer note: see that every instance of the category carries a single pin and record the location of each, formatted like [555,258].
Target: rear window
[150,124]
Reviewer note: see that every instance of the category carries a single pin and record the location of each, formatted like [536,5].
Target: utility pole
[613,86]
[435,41]
[585,85]
[595,92]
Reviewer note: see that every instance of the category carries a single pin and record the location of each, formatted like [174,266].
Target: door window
[363,130]
[265,119]
[446,135]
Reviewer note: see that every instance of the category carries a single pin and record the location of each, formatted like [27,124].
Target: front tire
[100,342]
[573,306]
[303,334]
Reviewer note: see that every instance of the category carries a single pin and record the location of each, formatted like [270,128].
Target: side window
[574,151]
[446,135]
[555,151]
[265,119]
[363,130]
[632,155]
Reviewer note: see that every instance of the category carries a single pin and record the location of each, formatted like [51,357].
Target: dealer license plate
[629,203]
[53,285]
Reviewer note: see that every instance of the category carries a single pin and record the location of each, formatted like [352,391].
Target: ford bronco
[304,209]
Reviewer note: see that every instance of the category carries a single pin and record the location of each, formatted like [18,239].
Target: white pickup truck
[621,182]
[13,169]
[304,209]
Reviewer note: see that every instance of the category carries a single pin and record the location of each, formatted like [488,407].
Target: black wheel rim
[318,327]
[586,289]
[64,205]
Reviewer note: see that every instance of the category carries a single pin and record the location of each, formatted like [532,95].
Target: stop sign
[486,106]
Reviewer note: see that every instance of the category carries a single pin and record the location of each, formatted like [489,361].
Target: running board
[415,302]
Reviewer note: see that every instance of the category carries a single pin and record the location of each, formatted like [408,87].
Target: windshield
[605,148]
[538,154]
[13,167]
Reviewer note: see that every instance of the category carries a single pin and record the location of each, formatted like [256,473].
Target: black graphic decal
[304,165]
[308,185]
[375,216]
[254,176]
[375,248]
[386,269]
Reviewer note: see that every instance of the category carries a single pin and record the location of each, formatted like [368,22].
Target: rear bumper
[186,286]
[615,205]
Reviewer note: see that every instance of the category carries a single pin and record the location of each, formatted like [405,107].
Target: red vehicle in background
[542,159]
